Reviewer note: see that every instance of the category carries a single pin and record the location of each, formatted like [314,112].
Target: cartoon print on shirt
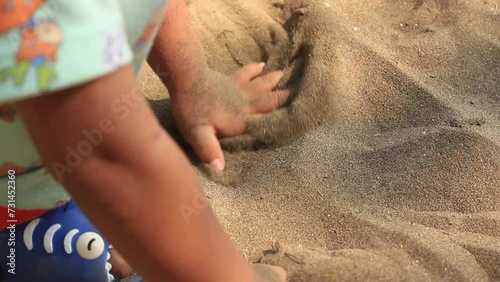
[7,113]
[15,13]
[114,53]
[39,42]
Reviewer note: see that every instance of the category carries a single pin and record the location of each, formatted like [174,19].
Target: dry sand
[385,166]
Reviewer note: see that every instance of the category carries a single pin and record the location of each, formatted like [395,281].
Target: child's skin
[132,185]
[205,103]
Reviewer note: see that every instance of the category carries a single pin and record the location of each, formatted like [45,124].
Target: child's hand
[269,273]
[217,104]
[118,176]
[207,104]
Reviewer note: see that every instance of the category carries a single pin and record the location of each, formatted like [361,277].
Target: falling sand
[385,162]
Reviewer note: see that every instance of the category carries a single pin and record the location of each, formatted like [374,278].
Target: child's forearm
[177,55]
[132,180]
[166,224]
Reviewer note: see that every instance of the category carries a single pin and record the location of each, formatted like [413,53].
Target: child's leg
[61,245]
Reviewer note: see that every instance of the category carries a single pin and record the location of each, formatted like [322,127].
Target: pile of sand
[385,165]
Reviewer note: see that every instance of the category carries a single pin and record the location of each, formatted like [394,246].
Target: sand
[385,163]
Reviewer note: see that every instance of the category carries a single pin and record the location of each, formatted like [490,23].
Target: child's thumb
[207,146]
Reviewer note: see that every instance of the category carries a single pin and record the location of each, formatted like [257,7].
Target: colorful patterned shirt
[50,45]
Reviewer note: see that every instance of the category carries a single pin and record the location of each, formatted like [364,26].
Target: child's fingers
[206,145]
[248,72]
[263,84]
[268,103]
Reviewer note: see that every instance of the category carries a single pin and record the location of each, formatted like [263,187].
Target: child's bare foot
[120,267]
[269,273]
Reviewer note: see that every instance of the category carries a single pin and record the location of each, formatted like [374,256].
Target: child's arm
[207,104]
[177,56]
[135,185]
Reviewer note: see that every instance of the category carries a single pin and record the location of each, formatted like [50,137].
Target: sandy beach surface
[385,164]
